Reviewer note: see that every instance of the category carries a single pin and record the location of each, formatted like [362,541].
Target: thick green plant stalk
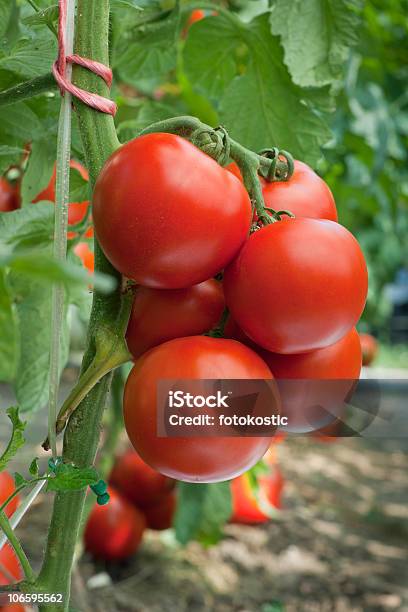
[83,430]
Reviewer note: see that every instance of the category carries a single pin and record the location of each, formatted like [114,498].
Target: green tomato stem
[82,433]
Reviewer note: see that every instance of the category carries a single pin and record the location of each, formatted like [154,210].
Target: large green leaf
[316,36]
[210,60]
[33,306]
[146,61]
[6,7]
[202,511]
[31,57]
[263,107]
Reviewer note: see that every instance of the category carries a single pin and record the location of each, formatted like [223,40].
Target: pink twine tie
[58,69]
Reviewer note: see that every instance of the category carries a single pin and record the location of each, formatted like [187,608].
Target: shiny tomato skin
[159,315]
[113,532]
[161,515]
[305,194]
[339,364]
[9,196]
[246,507]
[7,487]
[297,285]
[9,561]
[369,346]
[191,459]
[166,214]
[138,482]
[339,360]
[86,255]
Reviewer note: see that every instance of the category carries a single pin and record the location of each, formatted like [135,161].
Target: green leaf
[39,169]
[33,306]
[202,511]
[29,226]
[71,478]
[46,17]
[16,440]
[78,187]
[19,480]
[209,55]
[263,108]
[146,62]
[34,469]
[8,332]
[19,123]
[31,57]
[316,36]
[6,8]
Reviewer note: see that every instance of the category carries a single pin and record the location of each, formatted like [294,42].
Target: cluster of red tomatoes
[171,218]
[140,498]
[10,199]
[10,569]
[143,498]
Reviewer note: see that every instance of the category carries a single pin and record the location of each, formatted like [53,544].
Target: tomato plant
[179,202]
[7,488]
[114,531]
[159,315]
[297,285]
[138,482]
[190,459]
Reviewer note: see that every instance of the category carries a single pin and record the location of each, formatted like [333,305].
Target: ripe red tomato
[248,508]
[15,607]
[11,565]
[160,516]
[297,285]
[86,255]
[159,315]
[192,459]
[7,488]
[369,346]
[166,214]
[114,531]
[9,195]
[76,210]
[138,482]
[322,380]
[305,194]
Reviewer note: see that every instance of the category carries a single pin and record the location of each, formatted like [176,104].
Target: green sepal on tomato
[166,214]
